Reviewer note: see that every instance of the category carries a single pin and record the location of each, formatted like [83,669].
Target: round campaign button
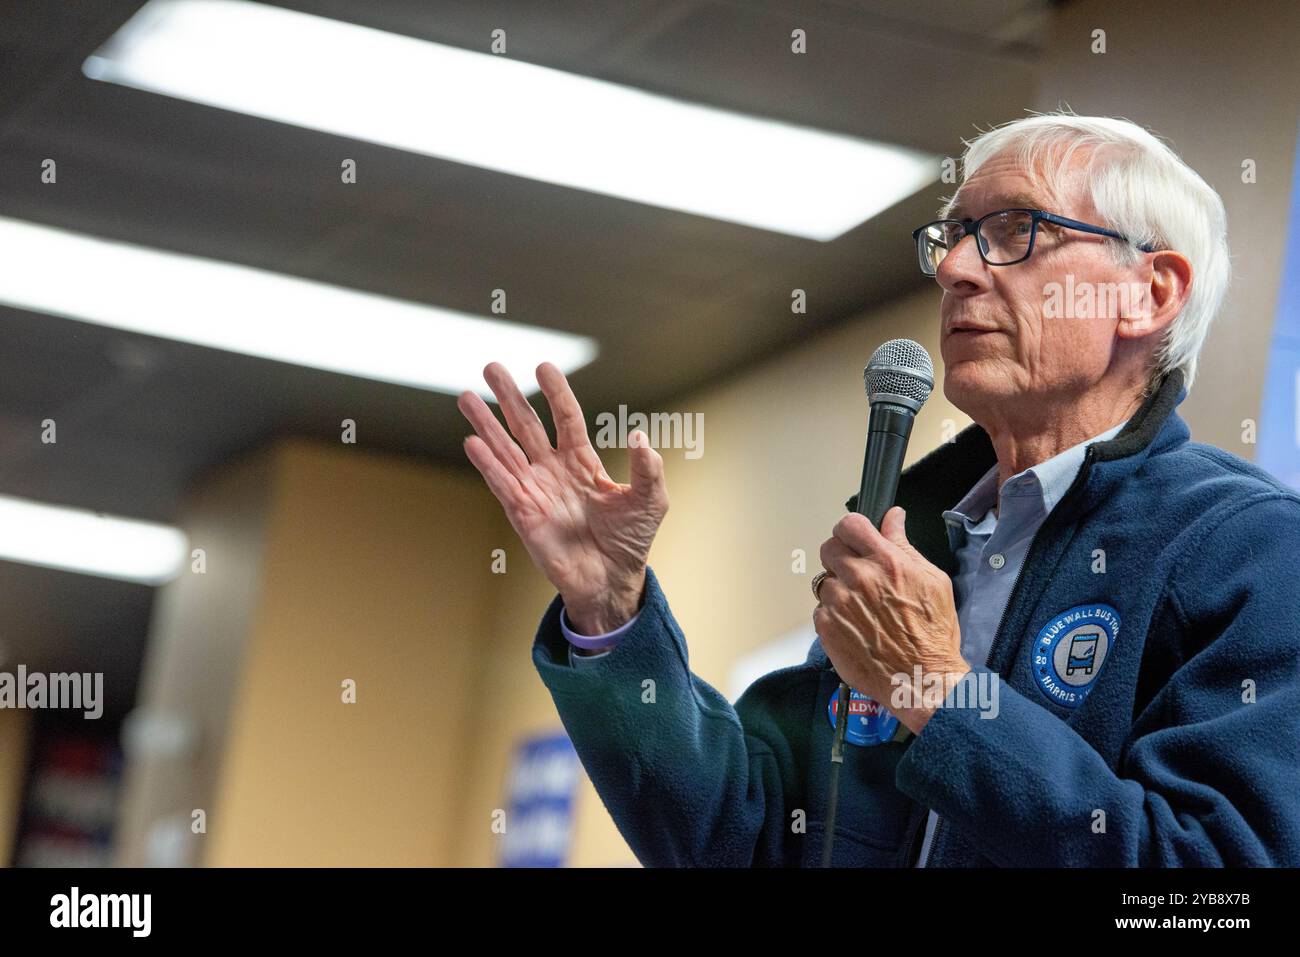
[869,721]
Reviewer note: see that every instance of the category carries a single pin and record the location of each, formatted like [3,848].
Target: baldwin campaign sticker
[1070,649]
[869,721]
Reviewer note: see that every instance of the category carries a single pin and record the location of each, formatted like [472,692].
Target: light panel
[257,313]
[72,539]
[501,114]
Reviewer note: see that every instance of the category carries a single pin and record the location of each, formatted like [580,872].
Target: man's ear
[1163,296]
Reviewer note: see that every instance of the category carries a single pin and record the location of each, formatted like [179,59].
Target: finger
[833,591]
[570,426]
[857,532]
[503,485]
[837,558]
[645,464]
[522,418]
[894,527]
[822,620]
[493,433]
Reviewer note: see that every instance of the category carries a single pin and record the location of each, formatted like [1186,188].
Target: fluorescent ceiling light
[509,116]
[265,314]
[72,539]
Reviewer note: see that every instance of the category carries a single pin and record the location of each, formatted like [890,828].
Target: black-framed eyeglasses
[1003,238]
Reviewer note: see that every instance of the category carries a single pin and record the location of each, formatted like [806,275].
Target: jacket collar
[945,475]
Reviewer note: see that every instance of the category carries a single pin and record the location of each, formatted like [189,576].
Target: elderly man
[1128,596]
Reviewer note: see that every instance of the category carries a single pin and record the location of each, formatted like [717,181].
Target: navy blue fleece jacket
[1183,750]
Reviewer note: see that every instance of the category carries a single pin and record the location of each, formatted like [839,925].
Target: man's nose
[962,272]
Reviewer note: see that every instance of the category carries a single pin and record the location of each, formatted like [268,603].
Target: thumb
[894,527]
[646,464]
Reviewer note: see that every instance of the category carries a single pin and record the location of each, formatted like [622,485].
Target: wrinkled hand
[588,534]
[885,610]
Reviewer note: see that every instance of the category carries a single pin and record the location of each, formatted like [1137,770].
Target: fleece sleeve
[1210,775]
[686,779]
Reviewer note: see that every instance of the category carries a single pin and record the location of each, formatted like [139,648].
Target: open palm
[588,534]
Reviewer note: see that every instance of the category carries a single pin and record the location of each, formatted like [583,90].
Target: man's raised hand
[588,534]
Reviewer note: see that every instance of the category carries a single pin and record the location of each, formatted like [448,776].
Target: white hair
[1141,189]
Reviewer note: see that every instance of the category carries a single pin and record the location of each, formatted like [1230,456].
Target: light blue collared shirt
[990,549]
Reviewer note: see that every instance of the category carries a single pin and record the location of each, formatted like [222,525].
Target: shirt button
[997,560]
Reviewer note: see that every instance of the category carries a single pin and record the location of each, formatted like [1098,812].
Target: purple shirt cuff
[594,642]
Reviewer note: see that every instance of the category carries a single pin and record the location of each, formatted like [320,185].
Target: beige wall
[324,563]
[1221,82]
[177,734]
[369,575]
[15,737]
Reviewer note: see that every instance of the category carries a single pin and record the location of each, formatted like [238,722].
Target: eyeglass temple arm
[1089,228]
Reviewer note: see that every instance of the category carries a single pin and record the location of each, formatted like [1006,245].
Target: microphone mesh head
[900,367]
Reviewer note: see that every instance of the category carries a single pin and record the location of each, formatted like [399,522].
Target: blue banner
[1279,427]
[540,798]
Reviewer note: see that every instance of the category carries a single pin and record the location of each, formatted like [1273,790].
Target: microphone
[899,377]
